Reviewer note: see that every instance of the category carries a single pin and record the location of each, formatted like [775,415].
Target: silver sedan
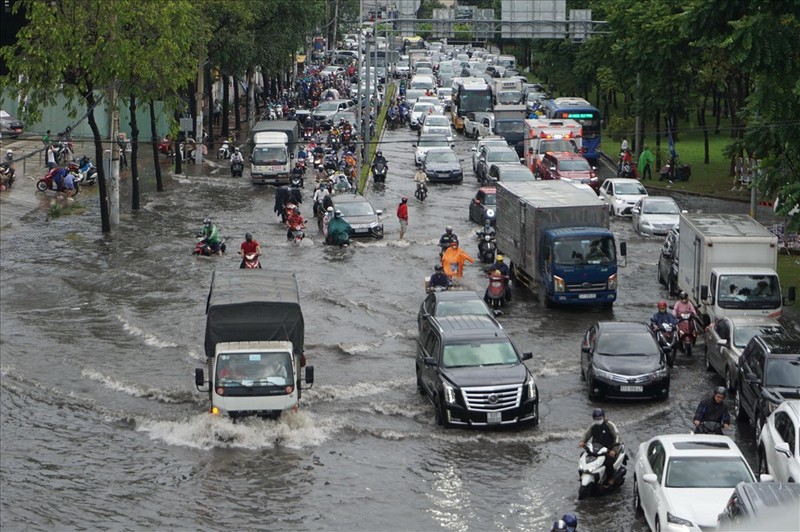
[655,215]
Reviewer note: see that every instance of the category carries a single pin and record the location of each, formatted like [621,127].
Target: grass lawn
[789,271]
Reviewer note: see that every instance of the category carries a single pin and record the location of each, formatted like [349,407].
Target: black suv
[769,373]
[472,373]
[668,262]
[762,506]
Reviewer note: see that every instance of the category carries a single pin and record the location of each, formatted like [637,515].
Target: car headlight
[531,384]
[558,283]
[620,201]
[661,373]
[612,282]
[675,520]
[603,374]
[430,173]
[449,393]
[489,212]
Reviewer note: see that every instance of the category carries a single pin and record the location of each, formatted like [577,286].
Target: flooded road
[102,426]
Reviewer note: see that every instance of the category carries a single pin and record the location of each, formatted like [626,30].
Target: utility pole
[113,181]
[638,127]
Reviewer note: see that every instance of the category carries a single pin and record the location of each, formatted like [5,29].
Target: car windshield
[506,126]
[237,370]
[626,343]
[443,156]
[438,130]
[434,120]
[502,156]
[327,106]
[660,207]
[742,335]
[574,165]
[434,142]
[456,308]
[359,208]
[509,97]
[413,95]
[558,145]
[581,251]
[274,155]
[423,107]
[482,353]
[783,372]
[749,292]
[706,472]
[634,189]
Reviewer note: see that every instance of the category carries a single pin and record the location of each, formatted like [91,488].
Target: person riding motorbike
[713,409]
[237,156]
[684,306]
[487,229]
[447,239]
[319,194]
[342,184]
[326,219]
[499,268]
[249,246]
[499,264]
[293,219]
[662,316]
[339,230]
[421,177]
[603,432]
[210,235]
[378,160]
[439,278]
[297,173]
[281,199]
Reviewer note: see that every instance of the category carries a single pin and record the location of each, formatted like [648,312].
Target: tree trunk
[236,96]
[658,138]
[210,117]
[155,143]
[226,108]
[701,120]
[134,152]
[105,221]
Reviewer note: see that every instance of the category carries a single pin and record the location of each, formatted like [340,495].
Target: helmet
[721,390]
[559,526]
[404,199]
[499,258]
[9,155]
[571,521]
[330,209]
[487,222]
[297,164]
[662,305]
[248,236]
[598,413]
[379,153]
[296,209]
[449,229]
[438,268]
[337,212]
[207,221]
[684,296]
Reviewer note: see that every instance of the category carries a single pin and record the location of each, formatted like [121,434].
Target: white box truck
[270,160]
[727,266]
[254,344]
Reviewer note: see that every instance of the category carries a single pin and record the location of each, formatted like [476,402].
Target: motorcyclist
[326,219]
[319,195]
[571,521]
[603,432]
[237,156]
[297,173]
[447,238]
[293,219]
[339,230]
[439,279]
[379,160]
[713,409]
[487,229]
[342,184]
[684,306]
[210,235]
[662,316]
[249,246]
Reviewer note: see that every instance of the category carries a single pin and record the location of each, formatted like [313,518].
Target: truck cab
[270,160]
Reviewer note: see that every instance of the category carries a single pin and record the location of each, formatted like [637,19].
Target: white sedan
[779,443]
[682,481]
[621,194]
[417,111]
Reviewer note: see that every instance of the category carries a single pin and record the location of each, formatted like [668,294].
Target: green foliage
[619,127]
[463,32]
[425,30]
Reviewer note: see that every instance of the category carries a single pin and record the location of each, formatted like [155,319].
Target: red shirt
[249,247]
[402,211]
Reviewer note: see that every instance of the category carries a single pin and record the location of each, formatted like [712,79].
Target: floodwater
[102,426]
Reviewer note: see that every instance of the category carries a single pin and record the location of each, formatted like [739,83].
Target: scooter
[708,427]
[7,174]
[237,168]
[687,331]
[591,470]
[46,182]
[422,191]
[298,233]
[487,247]
[667,340]
[379,173]
[203,249]
[225,150]
[496,291]
[251,261]
[165,147]
[87,171]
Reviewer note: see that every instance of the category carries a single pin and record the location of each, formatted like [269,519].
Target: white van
[270,162]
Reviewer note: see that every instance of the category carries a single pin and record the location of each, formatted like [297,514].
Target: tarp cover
[253,305]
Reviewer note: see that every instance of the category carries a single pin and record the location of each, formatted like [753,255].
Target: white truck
[544,135]
[254,345]
[270,160]
[727,266]
[507,91]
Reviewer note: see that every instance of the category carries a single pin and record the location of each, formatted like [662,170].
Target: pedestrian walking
[402,216]
[646,161]
[51,157]
[217,111]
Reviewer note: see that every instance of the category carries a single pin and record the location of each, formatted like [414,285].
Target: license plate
[587,296]
[494,417]
[631,388]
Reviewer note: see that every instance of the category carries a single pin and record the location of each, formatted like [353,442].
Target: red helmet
[662,305]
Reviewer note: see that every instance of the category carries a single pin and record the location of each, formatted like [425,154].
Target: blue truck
[556,237]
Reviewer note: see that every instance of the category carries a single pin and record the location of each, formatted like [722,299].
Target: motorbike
[165,147]
[7,174]
[296,180]
[379,173]
[308,133]
[203,249]
[63,150]
[487,247]
[496,291]
[391,122]
[687,331]
[237,168]
[225,150]
[331,161]
[298,233]
[708,427]
[251,261]
[591,470]
[422,191]
[667,340]
[87,171]
[48,183]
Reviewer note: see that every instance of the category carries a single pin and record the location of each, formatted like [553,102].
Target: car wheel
[637,502]
[590,386]
[738,411]
[761,462]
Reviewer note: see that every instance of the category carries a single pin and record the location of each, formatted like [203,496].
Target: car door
[650,494]
[430,372]
[746,388]
[587,347]
[778,462]
[425,310]
[605,189]
[719,332]
[636,215]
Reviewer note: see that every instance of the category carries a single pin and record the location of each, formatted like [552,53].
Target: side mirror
[250,158]
[553,168]
[751,378]
[413,145]
[528,355]
[309,375]
[763,477]
[635,210]
[650,478]
[623,248]
[522,160]
[684,211]
[783,448]
[378,212]
[474,148]
[789,300]
[722,342]
[429,361]
[199,378]
[704,292]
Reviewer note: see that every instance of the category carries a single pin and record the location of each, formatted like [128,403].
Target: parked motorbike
[487,247]
[165,147]
[687,331]
[708,427]
[379,173]
[496,292]
[224,152]
[237,169]
[87,171]
[667,338]
[203,248]
[251,261]
[591,470]
[422,191]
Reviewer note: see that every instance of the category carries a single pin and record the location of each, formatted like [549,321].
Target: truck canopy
[253,305]
[289,127]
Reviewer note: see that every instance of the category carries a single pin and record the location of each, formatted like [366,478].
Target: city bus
[586,115]
[470,95]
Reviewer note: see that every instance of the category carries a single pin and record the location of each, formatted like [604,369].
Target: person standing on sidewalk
[402,216]
[646,161]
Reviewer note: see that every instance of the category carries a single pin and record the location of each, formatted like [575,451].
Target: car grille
[632,379]
[492,398]
[586,287]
